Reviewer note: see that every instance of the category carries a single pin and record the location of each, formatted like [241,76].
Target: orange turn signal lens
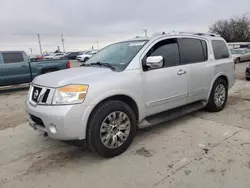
[74,88]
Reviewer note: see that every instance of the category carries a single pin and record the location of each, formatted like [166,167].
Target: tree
[233,30]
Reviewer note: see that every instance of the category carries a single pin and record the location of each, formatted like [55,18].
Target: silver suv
[129,85]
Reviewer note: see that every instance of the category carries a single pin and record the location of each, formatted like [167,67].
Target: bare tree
[233,30]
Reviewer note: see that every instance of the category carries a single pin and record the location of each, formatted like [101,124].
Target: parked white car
[55,56]
[85,56]
[129,85]
[240,54]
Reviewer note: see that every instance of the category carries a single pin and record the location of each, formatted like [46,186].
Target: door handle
[181,72]
[24,66]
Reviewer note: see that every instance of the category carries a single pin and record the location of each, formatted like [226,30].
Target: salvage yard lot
[197,150]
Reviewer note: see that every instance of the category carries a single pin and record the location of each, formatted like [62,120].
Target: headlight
[70,94]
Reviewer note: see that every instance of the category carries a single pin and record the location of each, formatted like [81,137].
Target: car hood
[79,75]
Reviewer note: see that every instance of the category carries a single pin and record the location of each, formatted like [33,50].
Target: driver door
[166,87]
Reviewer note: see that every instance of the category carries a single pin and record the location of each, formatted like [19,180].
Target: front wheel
[111,128]
[218,96]
[85,59]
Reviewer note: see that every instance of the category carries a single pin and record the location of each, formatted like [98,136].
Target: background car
[84,57]
[55,56]
[73,55]
[240,54]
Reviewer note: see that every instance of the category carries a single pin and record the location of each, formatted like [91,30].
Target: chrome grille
[40,95]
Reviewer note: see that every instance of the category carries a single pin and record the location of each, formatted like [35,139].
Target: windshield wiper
[103,64]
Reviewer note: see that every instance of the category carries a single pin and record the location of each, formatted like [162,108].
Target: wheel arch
[46,70]
[219,76]
[120,97]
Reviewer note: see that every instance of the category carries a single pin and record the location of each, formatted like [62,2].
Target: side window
[12,57]
[168,49]
[194,50]
[204,48]
[220,49]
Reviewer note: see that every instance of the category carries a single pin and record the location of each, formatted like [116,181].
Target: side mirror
[154,62]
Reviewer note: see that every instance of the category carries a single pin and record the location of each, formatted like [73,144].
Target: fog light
[52,129]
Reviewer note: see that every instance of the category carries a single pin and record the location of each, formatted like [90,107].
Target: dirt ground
[197,150]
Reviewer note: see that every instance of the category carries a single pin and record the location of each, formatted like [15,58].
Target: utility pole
[97,43]
[63,43]
[39,41]
[30,51]
[146,32]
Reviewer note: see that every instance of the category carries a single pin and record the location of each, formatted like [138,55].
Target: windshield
[119,54]
[236,51]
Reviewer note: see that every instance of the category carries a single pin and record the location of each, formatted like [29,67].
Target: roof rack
[186,33]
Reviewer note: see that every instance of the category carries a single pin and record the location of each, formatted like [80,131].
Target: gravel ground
[197,150]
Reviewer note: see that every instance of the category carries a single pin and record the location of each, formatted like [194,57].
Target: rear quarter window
[220,49]
[12,57]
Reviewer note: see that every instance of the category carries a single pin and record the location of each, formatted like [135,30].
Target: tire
[95,136]
[212,106]
[237,60]
[85,59]
[248,79]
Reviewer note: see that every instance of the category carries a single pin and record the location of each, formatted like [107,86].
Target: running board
[171,114]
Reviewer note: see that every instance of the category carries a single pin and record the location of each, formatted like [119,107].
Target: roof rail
[186,33]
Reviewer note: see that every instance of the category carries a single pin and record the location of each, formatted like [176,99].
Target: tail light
[68,65]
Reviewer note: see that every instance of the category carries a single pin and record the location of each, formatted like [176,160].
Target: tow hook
[45,134]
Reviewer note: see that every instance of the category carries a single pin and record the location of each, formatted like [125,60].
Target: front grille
[40,95]
[36,93]
[37,120]
[45,97]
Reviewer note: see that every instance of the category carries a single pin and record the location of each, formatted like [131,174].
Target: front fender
[130,93]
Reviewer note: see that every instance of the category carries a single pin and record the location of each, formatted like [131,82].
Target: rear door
[199,71]
[15,68]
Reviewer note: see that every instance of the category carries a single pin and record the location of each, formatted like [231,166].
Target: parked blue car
[16,68]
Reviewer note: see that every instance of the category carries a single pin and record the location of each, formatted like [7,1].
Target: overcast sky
[83,22]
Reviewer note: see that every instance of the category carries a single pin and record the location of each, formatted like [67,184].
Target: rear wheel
[237,60]
[111,129]
[218,96]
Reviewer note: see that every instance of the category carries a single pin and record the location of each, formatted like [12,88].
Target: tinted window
[220,49]
[204,48]
[194,50]
[169,50]
[12,57]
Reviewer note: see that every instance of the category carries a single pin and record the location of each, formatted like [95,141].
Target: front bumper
[69,121]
